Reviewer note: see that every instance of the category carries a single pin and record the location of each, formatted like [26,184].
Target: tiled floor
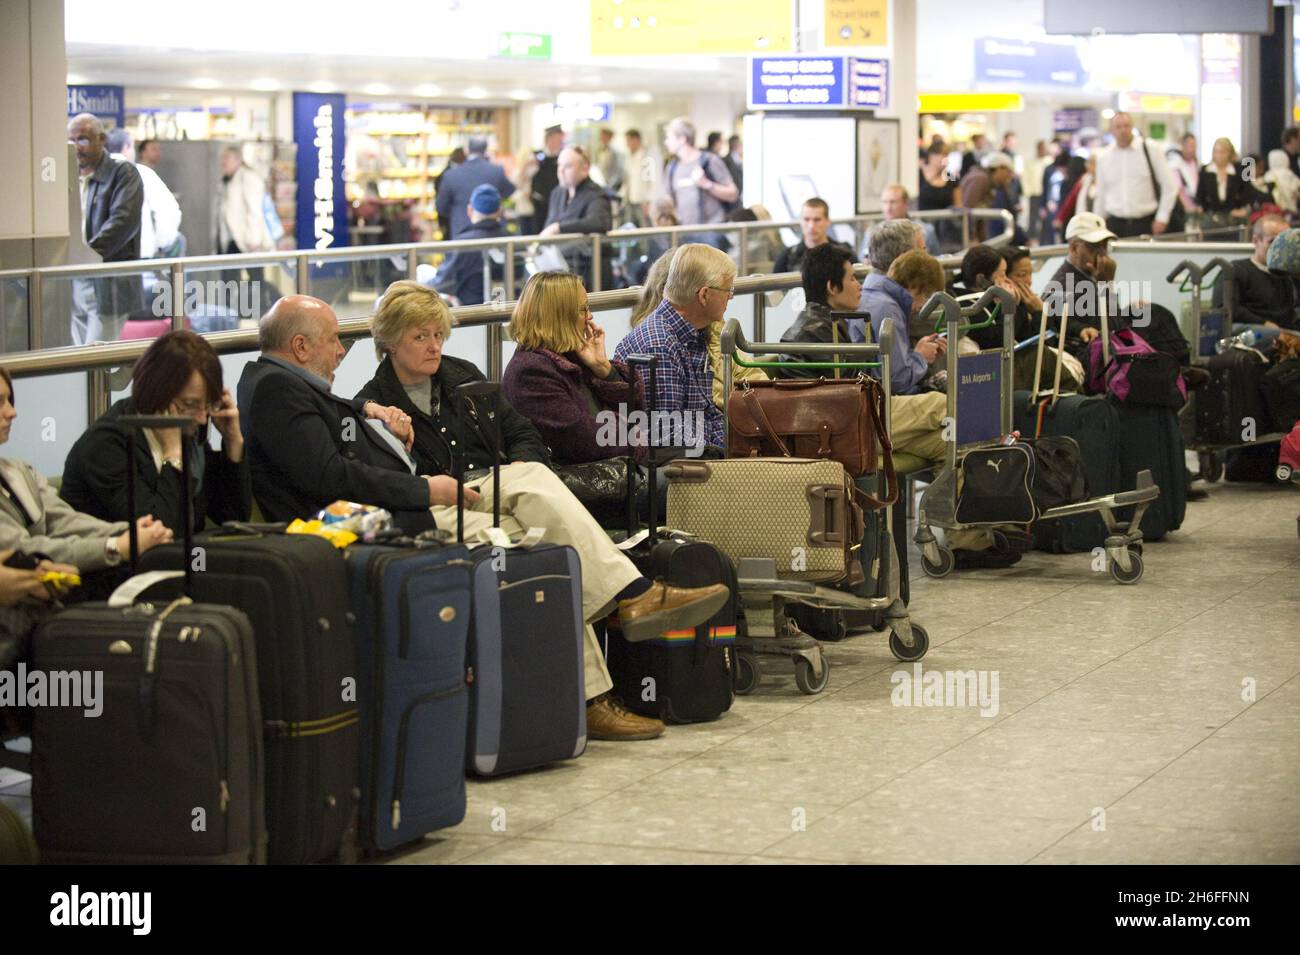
[1125,731]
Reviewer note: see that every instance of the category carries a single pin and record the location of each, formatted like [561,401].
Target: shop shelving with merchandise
[399,150]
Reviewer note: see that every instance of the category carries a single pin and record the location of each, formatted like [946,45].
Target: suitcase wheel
[1133,574]
[920,644]
[807,681]
[748,674]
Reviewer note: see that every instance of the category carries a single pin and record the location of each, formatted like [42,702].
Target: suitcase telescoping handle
[187,427]
[472,390]
[651,364]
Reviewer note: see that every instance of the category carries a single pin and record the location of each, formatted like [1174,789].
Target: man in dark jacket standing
[112,197]
[547,176]
[578,204]
[458,185]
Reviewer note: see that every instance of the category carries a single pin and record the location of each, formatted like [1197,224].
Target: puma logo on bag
[995,465]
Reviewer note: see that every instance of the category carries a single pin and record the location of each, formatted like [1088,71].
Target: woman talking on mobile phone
[179,375]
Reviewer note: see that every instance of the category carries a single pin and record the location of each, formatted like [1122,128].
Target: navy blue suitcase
[412,608]
[528,703]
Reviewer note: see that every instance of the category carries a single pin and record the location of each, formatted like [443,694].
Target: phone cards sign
[797,82]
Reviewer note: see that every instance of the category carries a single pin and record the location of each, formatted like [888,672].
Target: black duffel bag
[1016,483]
[997,486]
[1058,472]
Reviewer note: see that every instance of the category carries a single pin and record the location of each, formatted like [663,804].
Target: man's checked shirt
[683,377]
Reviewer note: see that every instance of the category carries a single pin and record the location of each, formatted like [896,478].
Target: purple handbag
[1137,373]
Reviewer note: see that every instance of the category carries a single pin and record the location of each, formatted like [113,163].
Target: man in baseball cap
[1074,286]
[461,275]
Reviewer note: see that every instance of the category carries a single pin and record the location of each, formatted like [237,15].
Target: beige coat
[56,530]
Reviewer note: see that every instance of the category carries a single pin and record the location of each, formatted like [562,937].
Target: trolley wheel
[1211,466]
[920,643]
[747,674]
[806,681]
[941,569]
[1133,575]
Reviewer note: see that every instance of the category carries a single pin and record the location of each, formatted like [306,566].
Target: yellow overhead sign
[667,27]
[1156,103]
[856,23]
[970,103]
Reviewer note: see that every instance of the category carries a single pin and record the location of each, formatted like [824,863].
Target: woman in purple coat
[560,377]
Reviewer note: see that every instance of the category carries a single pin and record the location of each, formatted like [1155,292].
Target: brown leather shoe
[669,608]
[608,719]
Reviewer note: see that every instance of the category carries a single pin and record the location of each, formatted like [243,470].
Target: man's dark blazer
[308,447]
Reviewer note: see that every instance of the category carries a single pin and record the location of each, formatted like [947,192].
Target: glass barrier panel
[77,311]
[470,344]
[352,286]
[51,417]
[14,309]
[781,315]
[221,299]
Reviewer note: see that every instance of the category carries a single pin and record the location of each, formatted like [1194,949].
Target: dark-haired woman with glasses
[180,374]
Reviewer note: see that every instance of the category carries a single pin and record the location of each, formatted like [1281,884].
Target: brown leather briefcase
[837,420]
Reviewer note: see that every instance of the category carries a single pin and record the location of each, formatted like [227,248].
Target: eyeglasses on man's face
[729,292]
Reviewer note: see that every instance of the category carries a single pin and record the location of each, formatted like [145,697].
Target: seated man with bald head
[306,446]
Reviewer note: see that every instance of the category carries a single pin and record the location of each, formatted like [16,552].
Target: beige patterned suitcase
[803,513]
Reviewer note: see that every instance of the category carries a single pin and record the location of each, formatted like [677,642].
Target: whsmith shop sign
[108,103]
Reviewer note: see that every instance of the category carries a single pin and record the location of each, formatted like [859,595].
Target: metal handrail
[255,259]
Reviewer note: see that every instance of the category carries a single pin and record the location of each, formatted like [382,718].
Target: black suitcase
[1231,408]
[1150,439]
[528,704]
[171,768]
[294,588]
[681,676]
[1282,393]
[1093,423]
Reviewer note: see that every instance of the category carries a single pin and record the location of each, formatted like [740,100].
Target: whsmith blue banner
[322,219]
[105,102]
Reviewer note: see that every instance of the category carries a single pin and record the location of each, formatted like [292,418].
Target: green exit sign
[525,46]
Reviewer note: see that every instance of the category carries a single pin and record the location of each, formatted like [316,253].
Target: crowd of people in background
[1134,183]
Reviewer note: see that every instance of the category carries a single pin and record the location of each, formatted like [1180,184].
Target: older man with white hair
[701,282]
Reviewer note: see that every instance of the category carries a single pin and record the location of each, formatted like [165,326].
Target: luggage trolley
[764,596]
[938,506]
[1208,334]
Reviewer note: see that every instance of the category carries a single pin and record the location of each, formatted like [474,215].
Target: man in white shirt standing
[1135,191]
[640,178]
[161,217]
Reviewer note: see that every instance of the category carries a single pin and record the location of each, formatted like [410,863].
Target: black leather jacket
[114,199]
